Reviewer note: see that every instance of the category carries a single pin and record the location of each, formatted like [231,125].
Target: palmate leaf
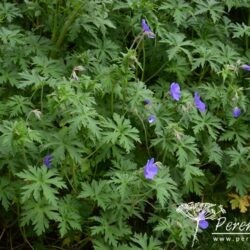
[236,3]
[136,94]
[6,192]
[238,133]
[11,37]
[165,187]
[209,123]
[104,49]
[239,156]
[69,215]
[238,180]
[178,226]
[120,132]
[240,30]
[48,67]
[179,10]
[39,213]
[179,66]
[18,105]
[123,182]
[16,134]
[143,241]
[84,117]
[9,11]
[213,152]
[186,149]
[30,78]
[214,8]
[195,185]
[190,170]
[40,183]
[240,202]
[97,192]
[205,55]
[178,45]
[63,143]
[109,229]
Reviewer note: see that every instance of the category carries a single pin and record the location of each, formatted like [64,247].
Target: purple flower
[236,112]
[147,102]
[245,67]
[151,119]
[203,224]
[150,170]
[175,91]
[198,103]
[146,29]
[47,160]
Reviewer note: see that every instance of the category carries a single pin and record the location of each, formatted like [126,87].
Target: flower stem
[160,69]
[144,61]
[145,132]
[195,234]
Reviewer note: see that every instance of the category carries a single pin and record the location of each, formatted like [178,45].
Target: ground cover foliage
[90,91]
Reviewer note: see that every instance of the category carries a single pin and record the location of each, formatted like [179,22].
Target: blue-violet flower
[203,224]
[198,103]
[236,112]
[147,102]
[150,170]
[175,91]
[47,160]
[245,67]
[151,119]
[146,29]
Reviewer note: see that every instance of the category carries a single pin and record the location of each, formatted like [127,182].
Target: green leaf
[214,8]
[143,241]
[165,187]
[186,149]
[97,192]
[69,218]
[209,123]
[191,171]
[239,180]
[40,183]
[120,132]
[6,192]
[178,45]
[39,213]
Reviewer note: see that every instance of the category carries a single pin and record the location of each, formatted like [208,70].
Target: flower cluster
[175,92]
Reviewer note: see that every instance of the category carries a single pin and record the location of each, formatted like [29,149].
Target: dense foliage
[91,91]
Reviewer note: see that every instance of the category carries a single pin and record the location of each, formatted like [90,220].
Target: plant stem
[144,61]
[112,98]
[145,132]
[139,37]
[41,99]
[69,21]
[162,66]
[55,23]
[195,234]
